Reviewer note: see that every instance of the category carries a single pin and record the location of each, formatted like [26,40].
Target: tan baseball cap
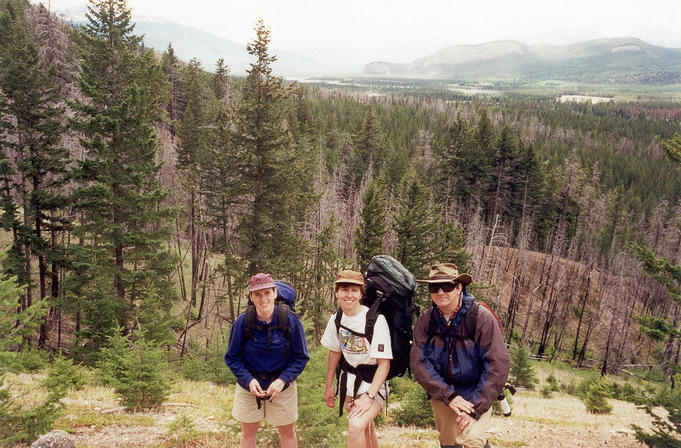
[446,273]
[351,277]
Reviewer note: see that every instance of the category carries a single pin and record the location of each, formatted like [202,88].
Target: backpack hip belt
[363,372]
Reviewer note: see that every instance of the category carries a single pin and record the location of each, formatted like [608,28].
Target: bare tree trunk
[582,307]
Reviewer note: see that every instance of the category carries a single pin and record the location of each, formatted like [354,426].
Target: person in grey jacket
[462,370]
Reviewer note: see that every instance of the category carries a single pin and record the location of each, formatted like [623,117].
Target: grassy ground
[198,414]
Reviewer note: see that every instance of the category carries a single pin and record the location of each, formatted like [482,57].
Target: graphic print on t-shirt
[351,343]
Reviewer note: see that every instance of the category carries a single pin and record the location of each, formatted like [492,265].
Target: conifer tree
[274,176]
[171,67]
[504,176]
[417,228]
[522,371]
[191,152]
[32,125]
[452,248]
[123,225]
[373,225]
[596,400]
[369,149]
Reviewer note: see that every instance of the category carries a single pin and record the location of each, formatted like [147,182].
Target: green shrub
[522,371]
[181,431]
[415,410]
[9,362]
[583,387]
[596,400]
[207,365]
[19,423]
[33,360]
[569,388]
[546,391]
[666,432]
[135,368]
[552,383]
[64,374]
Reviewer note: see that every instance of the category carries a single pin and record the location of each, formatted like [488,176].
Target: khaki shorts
[445,423]
[280,412]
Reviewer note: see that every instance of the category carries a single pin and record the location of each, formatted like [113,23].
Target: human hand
[360,406]
[254,387]
[275,388]
[465,422]
[461,405]
[329,397]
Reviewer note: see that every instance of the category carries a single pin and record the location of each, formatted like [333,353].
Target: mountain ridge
[607,59]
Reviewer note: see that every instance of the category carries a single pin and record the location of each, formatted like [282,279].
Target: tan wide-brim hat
[351,277]
[446,273]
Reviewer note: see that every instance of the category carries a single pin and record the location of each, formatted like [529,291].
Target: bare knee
[356,426]
[249,430]
[286,430]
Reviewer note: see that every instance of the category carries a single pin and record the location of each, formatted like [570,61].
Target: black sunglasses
[446,287]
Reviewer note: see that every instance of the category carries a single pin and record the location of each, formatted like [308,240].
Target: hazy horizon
[357,32]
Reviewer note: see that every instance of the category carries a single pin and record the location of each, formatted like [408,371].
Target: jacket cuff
[285,379]
[450,397]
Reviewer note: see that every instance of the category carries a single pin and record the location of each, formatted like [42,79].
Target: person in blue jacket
[266,364]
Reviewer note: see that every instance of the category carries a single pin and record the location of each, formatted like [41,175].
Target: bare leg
[249,431]
[359,427]
[287,436]
[371,436]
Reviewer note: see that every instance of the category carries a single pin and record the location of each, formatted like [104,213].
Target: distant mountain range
[190,42]
[618,60]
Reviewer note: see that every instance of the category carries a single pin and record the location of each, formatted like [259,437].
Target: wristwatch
[370,395]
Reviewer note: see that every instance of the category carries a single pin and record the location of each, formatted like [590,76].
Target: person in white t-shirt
[364,365]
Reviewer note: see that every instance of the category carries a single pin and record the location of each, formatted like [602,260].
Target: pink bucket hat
[260,281]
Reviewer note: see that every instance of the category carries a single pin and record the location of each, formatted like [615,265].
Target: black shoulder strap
[249,324]
[432,325]
[282,320]
[471,319]
[371,318]
[339,316]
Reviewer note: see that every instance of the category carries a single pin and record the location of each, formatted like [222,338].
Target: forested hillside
[139,193]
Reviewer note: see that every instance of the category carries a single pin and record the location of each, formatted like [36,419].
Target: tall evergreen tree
[369,149]
[504,179]
[417,228]
[191,152]
[373,225]
[32,125]
[274,176]
[123,225]
[171,67]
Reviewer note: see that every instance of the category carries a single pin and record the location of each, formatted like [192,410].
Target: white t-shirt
[356,349]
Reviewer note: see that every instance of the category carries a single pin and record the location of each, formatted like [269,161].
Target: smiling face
[348,296]
[263,299]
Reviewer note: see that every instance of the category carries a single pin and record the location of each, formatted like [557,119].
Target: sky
[401,30]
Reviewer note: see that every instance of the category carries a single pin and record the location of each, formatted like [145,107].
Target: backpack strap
[471,319]
[283,322]
[372,317]
[432,326]
[249,324]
